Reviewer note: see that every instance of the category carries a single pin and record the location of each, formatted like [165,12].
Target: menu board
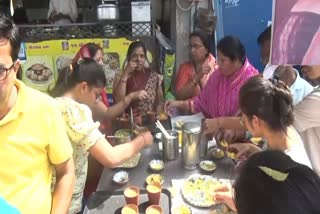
[43,61]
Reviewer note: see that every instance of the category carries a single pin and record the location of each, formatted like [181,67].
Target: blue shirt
[299,89]
[6,208]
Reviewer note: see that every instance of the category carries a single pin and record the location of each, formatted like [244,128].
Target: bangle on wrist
[189,105]
[194,83]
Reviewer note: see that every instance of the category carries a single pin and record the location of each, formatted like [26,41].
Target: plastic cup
[154,209]
[154,193]
[131,195]
[130,209]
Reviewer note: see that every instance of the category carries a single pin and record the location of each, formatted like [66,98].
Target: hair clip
[276,175]
[81,61]
[276,77]
[71,69]
[276,81]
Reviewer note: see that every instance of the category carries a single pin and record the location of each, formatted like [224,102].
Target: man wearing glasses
[33,139]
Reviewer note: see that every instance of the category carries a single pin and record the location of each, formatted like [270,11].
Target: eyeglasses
[195,46]
[5,71]
[242,121]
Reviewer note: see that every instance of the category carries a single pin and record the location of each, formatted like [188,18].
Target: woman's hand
[244,149]
[211,126]
[171,104]
[224,195]
[139,95]
[205,68]
[202,70]
[130,67]
[147,138]
[229,135]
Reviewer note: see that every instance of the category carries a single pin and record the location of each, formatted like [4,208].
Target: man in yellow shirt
[33,139]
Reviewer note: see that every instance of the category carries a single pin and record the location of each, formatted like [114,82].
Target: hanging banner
[296,32]
[42,61]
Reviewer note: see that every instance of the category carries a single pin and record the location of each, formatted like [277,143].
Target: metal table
[173,170]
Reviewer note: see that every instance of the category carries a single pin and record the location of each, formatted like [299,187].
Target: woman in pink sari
[220,95]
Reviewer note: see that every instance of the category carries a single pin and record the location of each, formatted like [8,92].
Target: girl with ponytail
[78,90]
[267,112]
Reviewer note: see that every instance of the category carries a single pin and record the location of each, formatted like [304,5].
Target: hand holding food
[139,95]
[224,195]
[205,68]
[229,135]
[244,149]
[147,138]
[131,67]
[171,104]
[211,126]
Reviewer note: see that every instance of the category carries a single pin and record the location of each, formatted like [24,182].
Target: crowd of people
[46,140]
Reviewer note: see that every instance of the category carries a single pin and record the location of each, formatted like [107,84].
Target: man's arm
[306,113]
[64,187]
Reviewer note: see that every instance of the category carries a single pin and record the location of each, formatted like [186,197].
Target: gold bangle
[194,83]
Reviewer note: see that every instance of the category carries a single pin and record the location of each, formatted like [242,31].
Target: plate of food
[198,190]
[39,73]
[181,209]
[121,177]
[132,162]
[156,165]
[155,178]
[207,165]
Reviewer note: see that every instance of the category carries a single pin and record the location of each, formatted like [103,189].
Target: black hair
[9,31]
[93,49]
[202,37]
[133,46]
[87,70]
[232,48]
[264,36]
[258,192]
[269,100]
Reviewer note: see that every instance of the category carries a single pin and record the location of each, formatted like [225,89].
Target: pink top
[220,96]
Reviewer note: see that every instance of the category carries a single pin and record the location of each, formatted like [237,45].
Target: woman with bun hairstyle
[267,112]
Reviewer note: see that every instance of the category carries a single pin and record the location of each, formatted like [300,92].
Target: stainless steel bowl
[123,136]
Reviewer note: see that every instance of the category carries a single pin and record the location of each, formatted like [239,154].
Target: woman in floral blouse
[78,90]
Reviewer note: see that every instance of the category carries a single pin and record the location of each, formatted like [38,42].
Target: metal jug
[170,146]
[191,145]
[203,141]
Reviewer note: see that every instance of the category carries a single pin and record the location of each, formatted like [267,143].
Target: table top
[173,170]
